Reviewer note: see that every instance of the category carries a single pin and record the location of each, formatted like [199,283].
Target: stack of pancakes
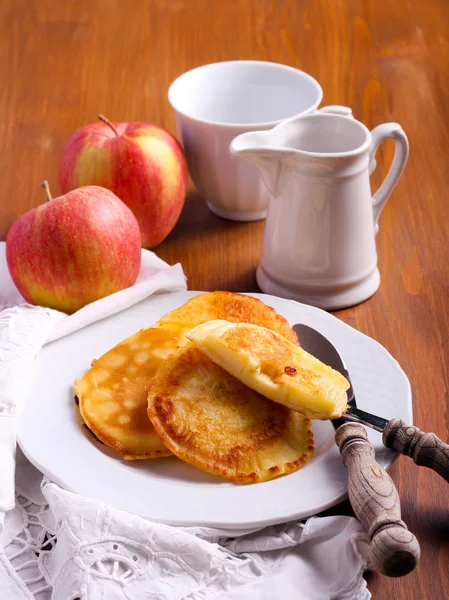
[156,394]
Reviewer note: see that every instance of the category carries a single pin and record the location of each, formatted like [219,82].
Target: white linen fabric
[56,545]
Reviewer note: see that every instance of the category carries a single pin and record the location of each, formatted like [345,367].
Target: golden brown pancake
[236,308]
[213,421]
[112,394]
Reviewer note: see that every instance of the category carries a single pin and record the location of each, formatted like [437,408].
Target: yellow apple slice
[268,363]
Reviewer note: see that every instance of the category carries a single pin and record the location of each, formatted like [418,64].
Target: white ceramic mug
[319,243]
[214,103]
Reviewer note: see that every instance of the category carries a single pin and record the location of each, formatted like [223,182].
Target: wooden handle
[426,449]
[394,549]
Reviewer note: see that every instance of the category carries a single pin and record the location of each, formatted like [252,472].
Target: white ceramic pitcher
[319,242]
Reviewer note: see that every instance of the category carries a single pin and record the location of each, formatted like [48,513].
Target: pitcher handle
[381,133]
[336,109]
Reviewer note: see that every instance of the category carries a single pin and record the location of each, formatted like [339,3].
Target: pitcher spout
[248,145]
[255,148]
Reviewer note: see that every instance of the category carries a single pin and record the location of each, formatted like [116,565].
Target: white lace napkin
[56,545]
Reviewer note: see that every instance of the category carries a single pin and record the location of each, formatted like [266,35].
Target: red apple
[74,249]
[142,164]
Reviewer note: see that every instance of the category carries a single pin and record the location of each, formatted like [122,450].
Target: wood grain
[426,449]
[61,63]
[394,549]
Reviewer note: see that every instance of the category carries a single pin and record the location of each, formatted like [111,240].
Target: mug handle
[381,133]
[336,109]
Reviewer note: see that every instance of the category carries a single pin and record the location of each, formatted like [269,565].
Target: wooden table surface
[61,63]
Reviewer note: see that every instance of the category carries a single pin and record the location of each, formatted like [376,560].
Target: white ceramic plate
[166,489]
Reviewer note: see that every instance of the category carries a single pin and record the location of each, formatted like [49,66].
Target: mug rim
[266,124]
[326,116]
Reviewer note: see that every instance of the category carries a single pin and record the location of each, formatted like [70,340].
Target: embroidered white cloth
[56,545]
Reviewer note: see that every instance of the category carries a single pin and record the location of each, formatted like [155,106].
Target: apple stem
[46,189]
[108,122]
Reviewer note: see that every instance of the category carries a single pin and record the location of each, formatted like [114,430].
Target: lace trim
[115,566]
[23,553]
[119,560]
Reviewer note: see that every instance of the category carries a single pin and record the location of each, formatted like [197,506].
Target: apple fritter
[112,394]
[269,364]
[211,420]
[236,308]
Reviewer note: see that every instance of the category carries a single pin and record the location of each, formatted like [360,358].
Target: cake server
[426,449]
[374,498]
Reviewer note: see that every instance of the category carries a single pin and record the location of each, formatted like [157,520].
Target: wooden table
[63,62]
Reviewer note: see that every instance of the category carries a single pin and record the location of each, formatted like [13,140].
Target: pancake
[271,365]
[211,420]
[236,308]
[112,394]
